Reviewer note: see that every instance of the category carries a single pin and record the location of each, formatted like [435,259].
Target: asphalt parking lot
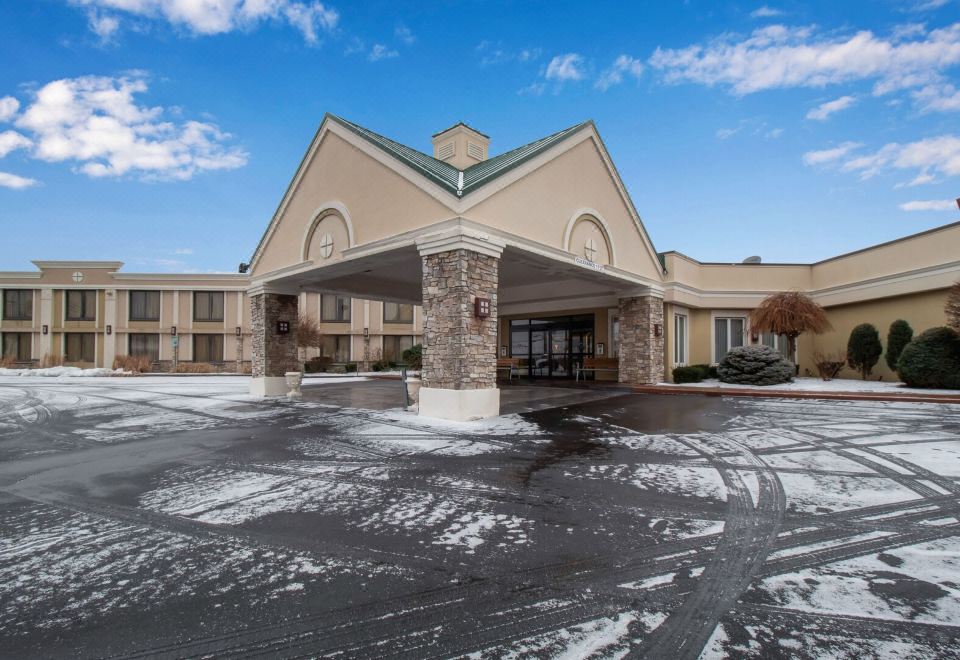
[178,517]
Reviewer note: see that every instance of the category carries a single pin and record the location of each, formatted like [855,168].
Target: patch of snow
[65,372]
[817,385]
[819,493]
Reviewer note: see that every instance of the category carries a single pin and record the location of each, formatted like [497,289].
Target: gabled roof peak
[459,124]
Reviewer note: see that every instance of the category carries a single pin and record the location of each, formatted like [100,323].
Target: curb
[785,394]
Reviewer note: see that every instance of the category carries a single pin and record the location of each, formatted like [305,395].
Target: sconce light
[283,327]
[657,330]
[109,329]
[45,329]
[173,331]
[481,308]
[239,331]
[366,332]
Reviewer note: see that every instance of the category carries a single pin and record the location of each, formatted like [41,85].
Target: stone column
[641,344]
[459,376]
[273,352]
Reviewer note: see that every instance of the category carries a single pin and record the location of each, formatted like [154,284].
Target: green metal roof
[449,177]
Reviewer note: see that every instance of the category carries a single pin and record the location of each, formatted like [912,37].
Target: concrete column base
[269,386]
[459,405]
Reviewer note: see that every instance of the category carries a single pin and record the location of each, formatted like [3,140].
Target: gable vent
[445,151]
[474,151]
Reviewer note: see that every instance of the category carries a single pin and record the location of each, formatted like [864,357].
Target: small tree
[864,349]
[308,334]
[952,309]
[789,313]
[899,336]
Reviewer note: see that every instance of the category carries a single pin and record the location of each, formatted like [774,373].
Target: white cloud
[207,17]
[773,133]
[777,56]
[403,33]
[16,182]
[930,205]
[183,251]
[381,52]
[623,65]
[824,110]
[929,5]
[494,53]
[920,180]
[829,155]
[937,98]
[105,26]
[765,12]
[8,108]
[11,140]
[533,89]
[563,68]
[726,133]
[96,123]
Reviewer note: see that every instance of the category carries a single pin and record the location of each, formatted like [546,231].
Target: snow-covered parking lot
[176,516]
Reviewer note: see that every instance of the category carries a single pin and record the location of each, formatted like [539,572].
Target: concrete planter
[413,389]
[294,380]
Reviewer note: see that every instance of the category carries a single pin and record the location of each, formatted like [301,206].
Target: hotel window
[727,333]
[208,348]
[334,309]
[144,305]
[146,345]
[80,347]
[81,305]
[335,347]
[397,313]
[18,304]
[395,345]
[779,343]
[17,346]
[679,339]
[208,305]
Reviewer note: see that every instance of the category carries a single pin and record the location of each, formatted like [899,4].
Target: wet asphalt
[322,528]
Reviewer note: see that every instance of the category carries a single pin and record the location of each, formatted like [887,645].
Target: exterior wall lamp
[239,331]
[173,331]
[45,329]
[657,329]
[481,308]
[109,329]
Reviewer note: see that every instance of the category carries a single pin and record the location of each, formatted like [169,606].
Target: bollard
[405,400]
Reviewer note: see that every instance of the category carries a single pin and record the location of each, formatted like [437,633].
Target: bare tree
[309,334]
[789,313]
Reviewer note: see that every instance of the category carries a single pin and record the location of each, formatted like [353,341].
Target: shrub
[138,364]
[317,364]
[49,360]
[932,360]
[350,368]
[755,365]
[7,362]
[709,370]
[829,366]
[413,357]
[195,368]
[899,336]
[687,375]
[864,349]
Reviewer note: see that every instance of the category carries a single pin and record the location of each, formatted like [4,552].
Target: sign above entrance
[589,264]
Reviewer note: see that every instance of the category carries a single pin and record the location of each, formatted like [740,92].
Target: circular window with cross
[326,246]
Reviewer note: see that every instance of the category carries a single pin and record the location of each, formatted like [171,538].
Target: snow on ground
[682,480]
[942,458]
[820,493]
[818,385]
[911,583]
[64,372]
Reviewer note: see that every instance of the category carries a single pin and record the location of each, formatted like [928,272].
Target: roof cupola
[461,146]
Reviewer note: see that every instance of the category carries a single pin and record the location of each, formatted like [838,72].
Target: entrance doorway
[551,347]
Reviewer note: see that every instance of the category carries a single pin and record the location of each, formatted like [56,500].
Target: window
[336,347]
[145,345]
[727,333]
[17,346]
[80,347]
[334,308]
[777,342]
[208,305]
[81,305]
[144,305]
[394,346]
[18,304]
[397,313]
[679,339]
[208,348]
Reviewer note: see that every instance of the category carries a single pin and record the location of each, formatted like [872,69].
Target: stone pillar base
[269,386]
[459,405]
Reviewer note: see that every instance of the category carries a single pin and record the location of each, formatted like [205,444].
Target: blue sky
[164,132]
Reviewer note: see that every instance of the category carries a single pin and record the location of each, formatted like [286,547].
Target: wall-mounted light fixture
[366,332]
[109,329]
[283,327]
[239,331]
[173,331]
[45,329]
[657,329]
[481,308]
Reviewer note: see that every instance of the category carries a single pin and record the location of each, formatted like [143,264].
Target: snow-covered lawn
[805,384]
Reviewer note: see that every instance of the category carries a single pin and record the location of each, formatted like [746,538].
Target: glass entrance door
[551,347]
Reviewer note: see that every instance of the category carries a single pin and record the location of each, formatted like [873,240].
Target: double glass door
[553,347]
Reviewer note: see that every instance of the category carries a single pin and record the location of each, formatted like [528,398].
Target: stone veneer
[459,349]
[641,352]
[273,354]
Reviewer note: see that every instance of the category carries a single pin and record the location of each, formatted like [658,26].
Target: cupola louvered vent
[474,151]
[446,151]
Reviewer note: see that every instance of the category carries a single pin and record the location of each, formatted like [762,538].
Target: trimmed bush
[687,375]
[864,349]
[709,370]
[899,336]
[413,357]
[932,360]
[755,365]
[317,364]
